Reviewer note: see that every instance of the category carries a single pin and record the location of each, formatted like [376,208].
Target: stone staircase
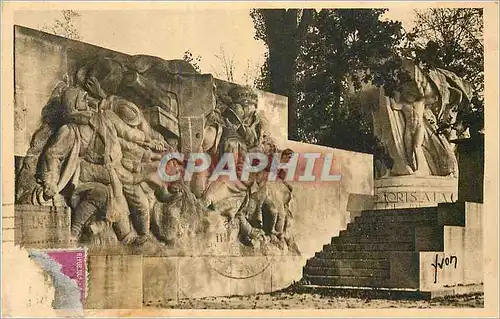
[409,248]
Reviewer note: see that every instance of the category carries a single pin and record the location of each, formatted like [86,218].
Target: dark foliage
[319,59]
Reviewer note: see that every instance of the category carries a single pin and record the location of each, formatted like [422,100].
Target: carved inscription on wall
[41,226]
[415,197]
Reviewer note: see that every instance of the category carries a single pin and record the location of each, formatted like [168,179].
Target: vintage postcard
[249,159]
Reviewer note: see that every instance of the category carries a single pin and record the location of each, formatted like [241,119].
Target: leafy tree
[345,49]
[65,26]
[194,61]
[283,31]
[452,39]
[317,59]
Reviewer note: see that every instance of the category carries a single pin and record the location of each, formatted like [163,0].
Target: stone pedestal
[115,282]
[131,282]
[412,191]
[169,279]
[42,226]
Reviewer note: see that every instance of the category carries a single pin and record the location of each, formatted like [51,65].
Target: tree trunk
[285,35]
[282,68]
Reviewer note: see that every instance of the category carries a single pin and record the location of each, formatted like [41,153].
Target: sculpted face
[238,110]
[250,106]
[244,108]
[244,102]
[75,99]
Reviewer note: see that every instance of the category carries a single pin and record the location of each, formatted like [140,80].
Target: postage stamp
[68,271]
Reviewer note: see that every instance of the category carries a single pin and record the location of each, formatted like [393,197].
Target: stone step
[387,228]
[358,230]
[396,218]
[365,238]
[389,223]
[394,246]
[399,211]
[394,232]
[355,272]
[348,263]
[403,226]
[368,255]
[349,281]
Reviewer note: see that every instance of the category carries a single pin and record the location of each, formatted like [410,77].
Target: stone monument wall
[42,60]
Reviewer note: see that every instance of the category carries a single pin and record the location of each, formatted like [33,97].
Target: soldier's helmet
[243,95]
[127,111]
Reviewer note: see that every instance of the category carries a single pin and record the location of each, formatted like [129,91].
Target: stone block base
[413,191]
[42,226]
[114,282]
[134,281]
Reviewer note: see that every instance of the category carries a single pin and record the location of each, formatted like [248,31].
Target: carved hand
[49,190]
[94,86]
[158,145]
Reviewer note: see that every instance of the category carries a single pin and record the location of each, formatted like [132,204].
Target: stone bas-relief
[416,126]
[104,131]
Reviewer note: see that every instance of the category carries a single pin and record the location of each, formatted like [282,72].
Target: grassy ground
[290,300]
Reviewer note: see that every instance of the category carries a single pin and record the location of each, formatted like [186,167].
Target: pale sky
[403,14]
[168,33]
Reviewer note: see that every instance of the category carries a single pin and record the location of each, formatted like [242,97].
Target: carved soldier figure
[102,159]
[140,161]
[242,127]
[273,198]
[267,212]
[84,156]
[136,139]
[239,129]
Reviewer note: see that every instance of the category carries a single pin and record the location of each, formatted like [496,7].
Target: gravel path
[288,300]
